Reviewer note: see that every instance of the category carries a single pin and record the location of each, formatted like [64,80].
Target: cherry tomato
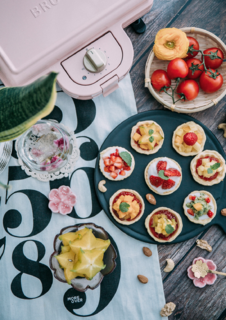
[211,82]
[211,62]
[189,88]
[177,68]
[193,43]
[195,68]
[160,79]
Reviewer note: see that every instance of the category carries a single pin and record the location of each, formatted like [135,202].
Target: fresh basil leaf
[124,206]
[126,157]
[169,229]
[161,175]
[150,132]
[215,166]
[151,139]
[209,170]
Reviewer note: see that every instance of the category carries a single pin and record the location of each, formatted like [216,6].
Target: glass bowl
[82,284]
[46,146]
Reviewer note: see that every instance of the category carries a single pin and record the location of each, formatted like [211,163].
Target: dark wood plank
[192,303]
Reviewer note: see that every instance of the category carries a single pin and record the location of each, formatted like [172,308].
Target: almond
[223,212]
[147,251]
[142,279]
[151,199]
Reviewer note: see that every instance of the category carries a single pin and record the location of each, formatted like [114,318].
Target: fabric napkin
[28,289]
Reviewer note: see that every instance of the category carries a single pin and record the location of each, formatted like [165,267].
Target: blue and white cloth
[28,289]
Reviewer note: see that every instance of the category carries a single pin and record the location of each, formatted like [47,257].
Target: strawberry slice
[106,169]
[107,162]
[172,173]
[156,181]
[118,159]
[113,158]
[112,168]
[114,175]
[126,168]
[191,212]
[168,184]
[118,165]
[117,153]
[123,173]
[161,165]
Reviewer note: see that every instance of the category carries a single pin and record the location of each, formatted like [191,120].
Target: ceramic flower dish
[82,284]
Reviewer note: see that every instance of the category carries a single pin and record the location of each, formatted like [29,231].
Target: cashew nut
[223,126]
[101,186]
[168,309]
[170,265]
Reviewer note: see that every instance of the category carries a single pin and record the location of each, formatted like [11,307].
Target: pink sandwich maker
[83,40]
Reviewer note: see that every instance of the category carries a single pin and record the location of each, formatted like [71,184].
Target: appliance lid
[33,29]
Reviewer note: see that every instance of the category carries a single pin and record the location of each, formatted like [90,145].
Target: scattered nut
[142,279]
[168,309]
[147,251]
[170,265]
[151,199]
[203,244]
[223,212]
[223,126]
[101,186]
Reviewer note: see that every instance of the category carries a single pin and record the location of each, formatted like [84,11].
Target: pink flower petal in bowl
[210,278]
[54,205]
[54,194]
[65,208]
[190,273]
[211,265]
[200,283]
[70,199]
[64,190]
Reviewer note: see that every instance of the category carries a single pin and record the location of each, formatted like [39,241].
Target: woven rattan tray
[204,100]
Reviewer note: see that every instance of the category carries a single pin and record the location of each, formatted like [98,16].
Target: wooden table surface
[193,303]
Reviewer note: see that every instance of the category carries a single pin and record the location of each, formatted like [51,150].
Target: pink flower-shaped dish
[209,279]
[62,200]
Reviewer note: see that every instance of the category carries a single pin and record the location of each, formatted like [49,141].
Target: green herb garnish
[169,229]
[151,139]
[161,175]
[126,157]
[215,166]
[82,251]
[124,207]
[150,132]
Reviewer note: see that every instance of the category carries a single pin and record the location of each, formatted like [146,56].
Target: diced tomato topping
[192,197]
[207,200]
[191,212]
[123,173]
[114,175]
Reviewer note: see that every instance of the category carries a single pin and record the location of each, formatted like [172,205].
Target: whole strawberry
[190,138]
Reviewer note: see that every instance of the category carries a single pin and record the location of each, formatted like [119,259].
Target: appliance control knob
[95,60]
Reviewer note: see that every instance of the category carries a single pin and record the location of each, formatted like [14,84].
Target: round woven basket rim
[178,108]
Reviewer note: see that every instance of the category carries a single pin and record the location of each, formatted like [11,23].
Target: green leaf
[150,132]
[209,170]
[22,107]
[151,139]
[169,229]
[82,251]
[215,166]
[124,206]
[161,175]
[126,157]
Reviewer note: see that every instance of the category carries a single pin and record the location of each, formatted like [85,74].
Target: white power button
[95,60]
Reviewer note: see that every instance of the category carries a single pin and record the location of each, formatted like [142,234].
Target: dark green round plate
[120,136]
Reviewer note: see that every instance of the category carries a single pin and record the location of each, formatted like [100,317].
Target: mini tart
[126,192]
[171,214]
[151,169]
[107,154]
[181,147]
[211,180]
[158,134]
[205,218]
